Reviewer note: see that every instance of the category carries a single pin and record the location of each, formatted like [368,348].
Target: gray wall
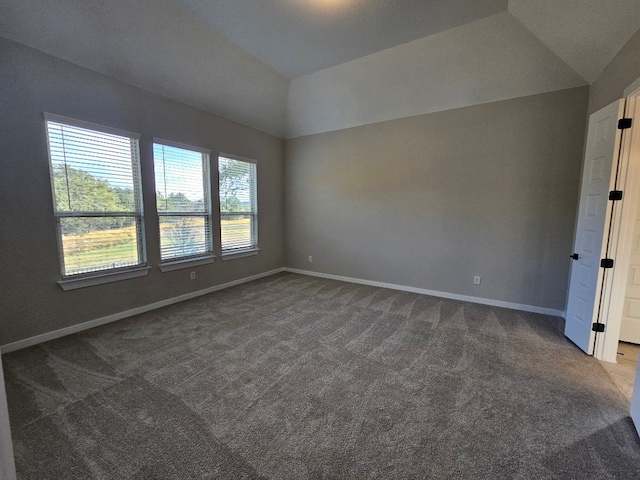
[7,462]
[489,60]
[430,201]
[156,45]
[621,72]
[32,82]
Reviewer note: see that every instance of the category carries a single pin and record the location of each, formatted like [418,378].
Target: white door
[630,328]
[598,178]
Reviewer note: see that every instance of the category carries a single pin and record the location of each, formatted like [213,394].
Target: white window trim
[170,143]
[179,263]
[245,252]
[237,157]
[52,117]
[186,263]
[232,254]
[99,279]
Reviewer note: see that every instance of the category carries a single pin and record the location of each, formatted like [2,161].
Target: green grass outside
[126,252]
[236,231]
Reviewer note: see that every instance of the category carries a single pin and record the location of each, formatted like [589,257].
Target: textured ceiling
[236,58]
[157,46]
[485,61]
[586,34]
[297,37]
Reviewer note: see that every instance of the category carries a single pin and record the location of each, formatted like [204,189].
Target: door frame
[614,288]
[592,240]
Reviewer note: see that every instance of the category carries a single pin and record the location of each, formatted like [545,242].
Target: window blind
[238,204]
[183,201]
[96,191]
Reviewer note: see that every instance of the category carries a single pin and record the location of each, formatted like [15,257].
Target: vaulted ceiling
[253,60]
[297,37]
[586,34]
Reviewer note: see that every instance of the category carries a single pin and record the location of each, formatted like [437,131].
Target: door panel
[603,143]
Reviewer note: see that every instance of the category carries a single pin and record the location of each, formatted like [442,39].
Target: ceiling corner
[585,34]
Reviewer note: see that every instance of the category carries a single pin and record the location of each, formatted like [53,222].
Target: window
[95,175]
[183,200]
[238,206]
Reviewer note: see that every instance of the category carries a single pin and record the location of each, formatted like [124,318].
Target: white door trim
[606,347]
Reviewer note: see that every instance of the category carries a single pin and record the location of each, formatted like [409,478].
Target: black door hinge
[625,123]
[597,327]
[606,263]
[615,195]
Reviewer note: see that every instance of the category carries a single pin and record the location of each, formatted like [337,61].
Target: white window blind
[183,200]
[238,204]
[95,174]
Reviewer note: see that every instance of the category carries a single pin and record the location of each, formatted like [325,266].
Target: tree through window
[238,204]
[95,174]
[183,201]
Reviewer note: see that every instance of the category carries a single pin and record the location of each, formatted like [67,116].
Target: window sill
[102,278]
[185,263]
[232,255]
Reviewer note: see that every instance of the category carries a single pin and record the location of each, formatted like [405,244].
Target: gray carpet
[299,377]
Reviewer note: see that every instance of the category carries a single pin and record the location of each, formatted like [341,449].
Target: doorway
[621,289]
[606,256]
[620,343]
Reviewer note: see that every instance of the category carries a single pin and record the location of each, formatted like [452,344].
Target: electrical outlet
[193,275]
[310,259]
[476,280]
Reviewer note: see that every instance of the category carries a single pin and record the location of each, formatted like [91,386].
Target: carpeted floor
[623,373]
[299,377]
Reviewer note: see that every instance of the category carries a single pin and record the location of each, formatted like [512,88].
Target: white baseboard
[433,293]
[45,337]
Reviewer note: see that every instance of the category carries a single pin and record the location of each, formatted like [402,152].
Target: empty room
[282,239]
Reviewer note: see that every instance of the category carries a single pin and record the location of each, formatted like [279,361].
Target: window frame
[79,280]
[176,263]
[254,249]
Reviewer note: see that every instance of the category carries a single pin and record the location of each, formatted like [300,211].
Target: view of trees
[234,183]
[181,235]
[79,191]
[76,190]
[178,202]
